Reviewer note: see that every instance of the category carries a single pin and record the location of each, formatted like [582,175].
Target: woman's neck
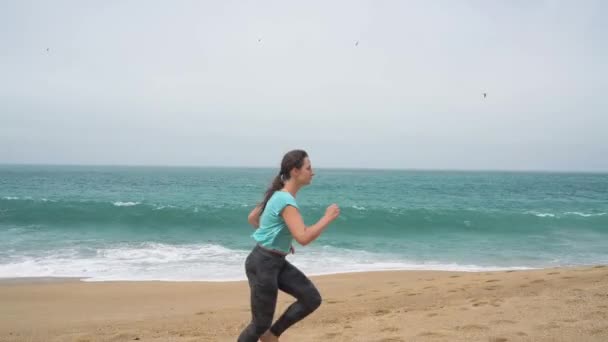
[291,187]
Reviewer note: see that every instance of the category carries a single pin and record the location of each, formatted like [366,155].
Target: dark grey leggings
[268,273]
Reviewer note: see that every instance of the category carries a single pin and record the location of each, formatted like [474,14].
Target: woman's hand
[332,212]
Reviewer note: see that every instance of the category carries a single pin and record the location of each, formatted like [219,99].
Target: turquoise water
[136,223]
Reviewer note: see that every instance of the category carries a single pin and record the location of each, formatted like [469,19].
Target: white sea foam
[539,214]
[125,204]
[583,214]
[202,262]
[161,207]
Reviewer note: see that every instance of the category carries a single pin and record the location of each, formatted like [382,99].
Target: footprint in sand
[381,312]
[492,280]
[550,325]
[479,303]
[331,335]
[392,329]
[125,337]
[521,333]
[497,301]
[596,315]
[598,331]
[552,273]
[492,288]
[432,314]
[472,327]
[503,321]
[455,276]
[330,320]
[537,281]
[498,339]
[333,301]
[430,334]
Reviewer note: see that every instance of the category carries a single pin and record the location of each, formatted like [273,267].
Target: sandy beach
[562,304]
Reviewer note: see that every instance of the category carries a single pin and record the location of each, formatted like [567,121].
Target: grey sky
[188,83]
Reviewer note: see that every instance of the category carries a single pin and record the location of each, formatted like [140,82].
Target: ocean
[105,223]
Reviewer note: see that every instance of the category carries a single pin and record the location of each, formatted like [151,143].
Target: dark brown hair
[291,160]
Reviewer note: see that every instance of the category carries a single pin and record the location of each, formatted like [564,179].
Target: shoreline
[67,279]
[555,304]
[39,280]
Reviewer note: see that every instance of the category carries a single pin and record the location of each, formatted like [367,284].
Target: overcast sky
[227,83]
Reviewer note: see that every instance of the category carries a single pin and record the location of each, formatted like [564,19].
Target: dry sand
[562,304]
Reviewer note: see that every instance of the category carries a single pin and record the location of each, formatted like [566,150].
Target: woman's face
[304,174]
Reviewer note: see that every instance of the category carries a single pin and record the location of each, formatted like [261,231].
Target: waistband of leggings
[269,251]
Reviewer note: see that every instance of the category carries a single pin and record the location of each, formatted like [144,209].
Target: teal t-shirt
[273,232]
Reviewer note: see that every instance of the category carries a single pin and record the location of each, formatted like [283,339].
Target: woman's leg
[262,273]
[294,282]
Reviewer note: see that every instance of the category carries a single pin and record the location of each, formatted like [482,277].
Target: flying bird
[357,43]
[485,95]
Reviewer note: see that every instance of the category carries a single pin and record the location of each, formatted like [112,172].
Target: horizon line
[318,167]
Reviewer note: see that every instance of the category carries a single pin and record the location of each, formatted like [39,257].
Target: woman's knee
[314,300]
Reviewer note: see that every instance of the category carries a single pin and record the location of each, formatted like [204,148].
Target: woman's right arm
[305,235]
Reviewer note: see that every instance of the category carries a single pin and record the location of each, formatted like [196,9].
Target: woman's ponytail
[277,184]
